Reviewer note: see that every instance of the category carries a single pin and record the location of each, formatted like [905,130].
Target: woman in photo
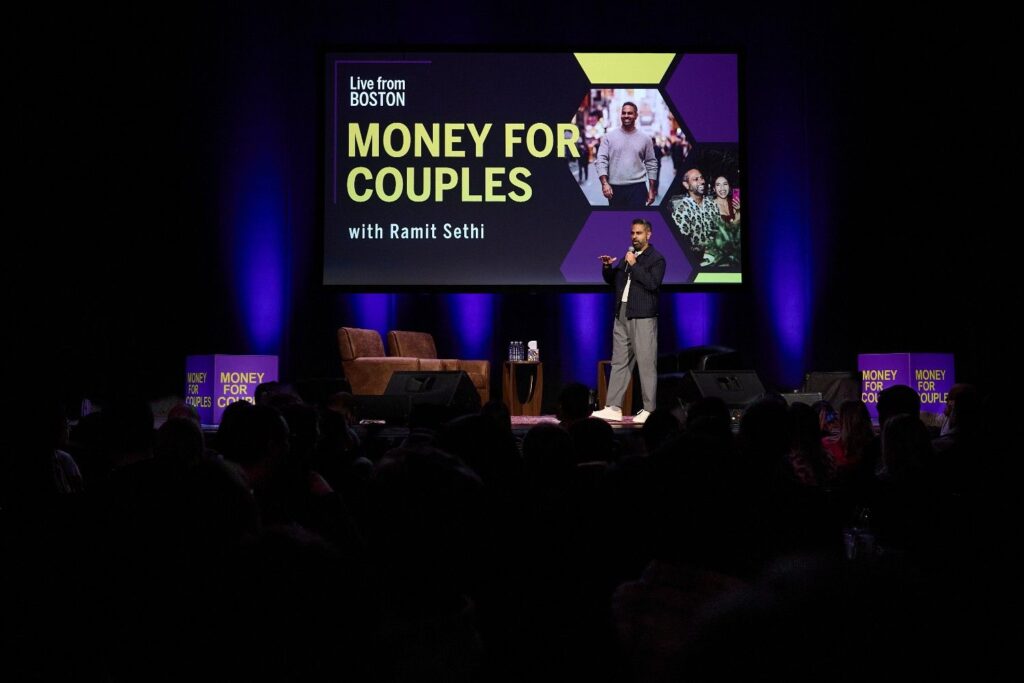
[728,207]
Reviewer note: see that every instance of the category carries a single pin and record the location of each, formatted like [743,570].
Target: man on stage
[627,165]
[637,279]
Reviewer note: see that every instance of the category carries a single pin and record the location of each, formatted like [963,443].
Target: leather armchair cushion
[370,376]
[440,364]
[411,344]
[354,342]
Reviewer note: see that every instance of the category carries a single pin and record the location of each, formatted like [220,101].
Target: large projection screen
[482,170]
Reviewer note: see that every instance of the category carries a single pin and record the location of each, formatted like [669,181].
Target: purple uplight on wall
[257,235]
[783,247]
[471,322]
[586,330]
[788,287]
[260,255]
[694,319]
[373,312]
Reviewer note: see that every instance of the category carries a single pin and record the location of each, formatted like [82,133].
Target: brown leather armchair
[421,345]
[366,367]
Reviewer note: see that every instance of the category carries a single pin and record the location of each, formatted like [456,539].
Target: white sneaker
[641,417]
[609,413]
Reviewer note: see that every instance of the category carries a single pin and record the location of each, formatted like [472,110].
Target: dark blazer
[647,275]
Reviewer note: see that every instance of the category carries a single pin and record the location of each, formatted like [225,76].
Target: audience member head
[184,411]
[337,440]
[179,443]
[264,391]
[262,441]
[765,434]
[593,440]
[574,403]
[276,395]
[806,426]
[548,456]
[344,404]
[963,408]
[232,424]
[424,508]
[428,417]
[499,412]
[481,444]
[806,445]
[855,429]
[707,406]
[131,430]
[709,415]
[906,447]
[303,431]
[897,400]
[661,425]
[828,419]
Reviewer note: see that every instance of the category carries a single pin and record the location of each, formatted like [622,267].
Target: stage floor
[522,423]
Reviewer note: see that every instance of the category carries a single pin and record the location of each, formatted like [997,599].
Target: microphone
[631,250]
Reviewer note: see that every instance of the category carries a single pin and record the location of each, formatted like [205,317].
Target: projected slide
[479,170]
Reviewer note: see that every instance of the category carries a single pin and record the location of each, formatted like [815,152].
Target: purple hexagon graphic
[704,89]
[607,232]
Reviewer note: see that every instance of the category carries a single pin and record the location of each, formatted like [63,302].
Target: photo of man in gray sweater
[627,165]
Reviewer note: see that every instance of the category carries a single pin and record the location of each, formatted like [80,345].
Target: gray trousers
[634,342]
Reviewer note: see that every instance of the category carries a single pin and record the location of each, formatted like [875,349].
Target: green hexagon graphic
[641,68]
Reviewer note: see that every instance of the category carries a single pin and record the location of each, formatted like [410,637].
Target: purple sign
[214,382]
[929,374]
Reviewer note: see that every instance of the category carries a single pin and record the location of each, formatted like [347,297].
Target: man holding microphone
[637,279]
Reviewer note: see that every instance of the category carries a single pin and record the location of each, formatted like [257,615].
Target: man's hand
[630,258]
[607,190]
[651,196]
[606,260]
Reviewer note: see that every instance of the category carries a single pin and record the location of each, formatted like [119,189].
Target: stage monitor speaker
[393,410]
[708,358]
[738,388]
[452,390]
[808,398]
[834,387]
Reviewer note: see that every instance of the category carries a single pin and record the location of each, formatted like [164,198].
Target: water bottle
[859,539]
